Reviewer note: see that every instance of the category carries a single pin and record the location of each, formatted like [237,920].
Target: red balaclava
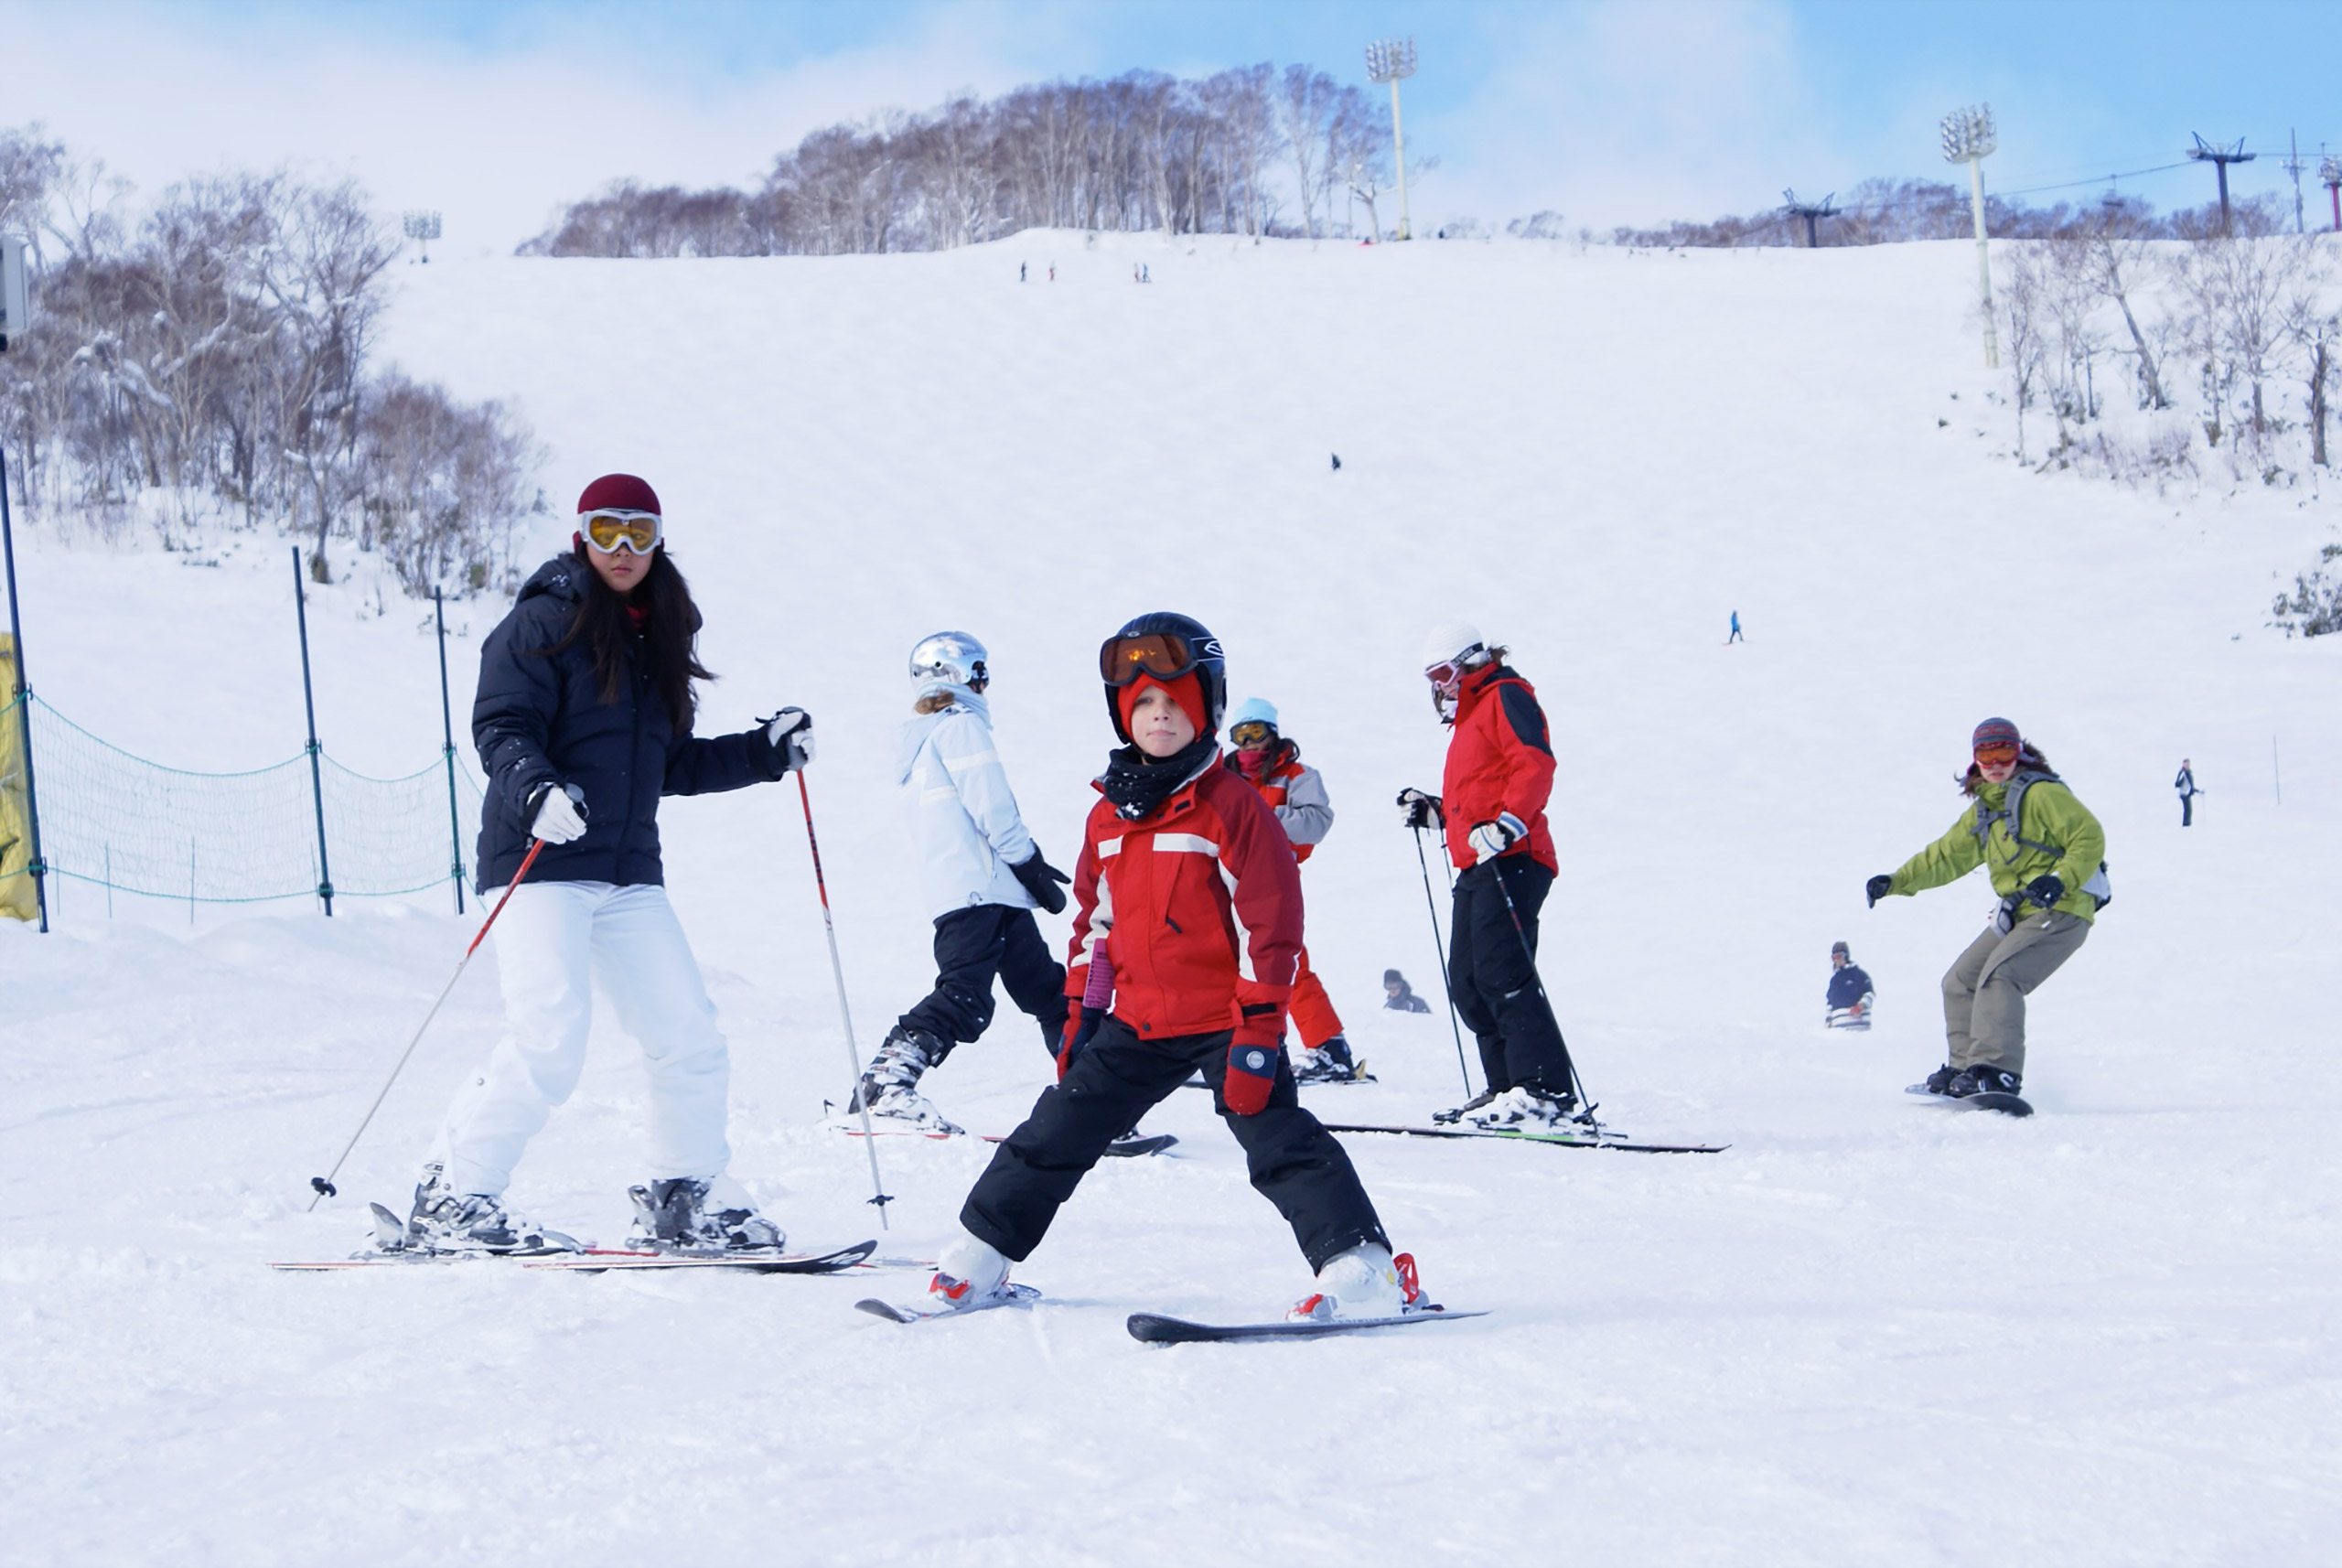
[1185,690]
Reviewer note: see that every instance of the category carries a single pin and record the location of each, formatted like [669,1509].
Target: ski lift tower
[1969,138]
[2329,175]
[1393,60]
[2219,157]
[423,227]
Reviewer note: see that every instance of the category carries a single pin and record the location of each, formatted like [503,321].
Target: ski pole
[845,1014]
[324,1184]
[1439,947]
[1585,1102]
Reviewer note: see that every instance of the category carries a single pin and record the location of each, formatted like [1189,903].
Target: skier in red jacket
[1492,804]
[1186,934]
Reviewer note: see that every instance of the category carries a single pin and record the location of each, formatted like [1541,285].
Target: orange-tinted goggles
[1995,756]
[1164,655]
[612,530]
[1251,734]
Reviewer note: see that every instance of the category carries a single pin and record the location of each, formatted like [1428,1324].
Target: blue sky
[1608,111]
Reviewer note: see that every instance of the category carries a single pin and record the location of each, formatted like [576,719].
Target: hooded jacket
[539,718]
[1295,791]
[963,817]
[2053,817]
[1500,758]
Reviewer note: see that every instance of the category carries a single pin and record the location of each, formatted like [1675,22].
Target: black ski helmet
[1203,658]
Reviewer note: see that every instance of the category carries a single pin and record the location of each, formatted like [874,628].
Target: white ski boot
[445,1220]
[1531,1109]
[1365,1282]
[689,1215]
[969,1274]
[888,1088]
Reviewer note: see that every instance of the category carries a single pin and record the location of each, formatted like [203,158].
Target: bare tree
[1303,106]
[2315,328]
[2117,257]
[2024,314]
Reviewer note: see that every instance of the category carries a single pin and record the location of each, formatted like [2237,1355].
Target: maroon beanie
[1994,732]
[618,492]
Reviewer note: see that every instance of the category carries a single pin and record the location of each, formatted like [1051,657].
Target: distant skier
[1188,918]
[1264,758]
[1735,636]
[1398,996]
[1850,997]
[1492,804]
[2185,785]
[1145,273]
[1020,271]
[584,720]
[983,876]
[2045,854]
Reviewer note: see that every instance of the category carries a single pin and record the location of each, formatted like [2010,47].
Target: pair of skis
[395,1249]
[1153,1329]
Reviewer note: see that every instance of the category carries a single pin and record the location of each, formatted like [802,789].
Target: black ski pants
[972,946]
[1493,979]
[1293,1161]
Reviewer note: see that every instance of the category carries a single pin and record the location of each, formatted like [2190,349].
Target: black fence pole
[23,697]
[447,730]
[309,701]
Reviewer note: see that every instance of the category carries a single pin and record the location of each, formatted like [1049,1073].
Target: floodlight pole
[1393,60]
[1969,138]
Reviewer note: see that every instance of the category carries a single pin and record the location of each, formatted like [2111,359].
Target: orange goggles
[1166,655]
[613,531]
[1251,734]
[1995,756]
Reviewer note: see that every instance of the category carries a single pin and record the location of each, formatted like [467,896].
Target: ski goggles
[1252,735]
[615,530]
[1996,755]
[1166,655]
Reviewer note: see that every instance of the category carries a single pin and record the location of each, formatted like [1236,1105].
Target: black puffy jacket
[539,718]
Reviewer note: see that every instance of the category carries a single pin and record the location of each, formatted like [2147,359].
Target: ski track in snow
[1871,1331]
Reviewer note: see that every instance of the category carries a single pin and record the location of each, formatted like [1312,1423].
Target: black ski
[1556,1140]
[392,1249]
[1151,1328]
[1128,1148]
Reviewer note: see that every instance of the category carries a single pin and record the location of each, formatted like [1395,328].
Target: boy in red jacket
[1188,924]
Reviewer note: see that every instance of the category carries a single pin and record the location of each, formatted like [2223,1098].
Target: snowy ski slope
[1870,1332]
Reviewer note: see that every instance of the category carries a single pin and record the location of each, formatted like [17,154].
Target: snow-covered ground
[1872,1331]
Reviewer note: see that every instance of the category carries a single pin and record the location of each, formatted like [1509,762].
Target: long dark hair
[2028,760]
[670,628]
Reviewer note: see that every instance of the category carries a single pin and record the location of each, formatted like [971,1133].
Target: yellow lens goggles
[613,531]
[1250,736]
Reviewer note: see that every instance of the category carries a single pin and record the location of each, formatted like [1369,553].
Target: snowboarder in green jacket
[2046,855]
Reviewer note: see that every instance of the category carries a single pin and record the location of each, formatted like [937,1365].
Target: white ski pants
[554,942]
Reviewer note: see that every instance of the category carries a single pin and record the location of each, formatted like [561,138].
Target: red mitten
[1080,1022]
[1255,1054]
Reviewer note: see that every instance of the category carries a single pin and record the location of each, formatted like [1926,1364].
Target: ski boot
[1365,1282]
[1330,1063]
[1983,1079]
[888,1088]
[445,1220]
[1527,1106]
[1480,1102]
[969,1274]
[686,1214]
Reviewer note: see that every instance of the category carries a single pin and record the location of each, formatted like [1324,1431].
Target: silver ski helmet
[949,660]
[1166,646]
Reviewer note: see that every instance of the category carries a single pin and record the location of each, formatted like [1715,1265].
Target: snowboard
[1151,1328]
[1991,1100]
[1556,1140]
[919,1311]
[1130,1149]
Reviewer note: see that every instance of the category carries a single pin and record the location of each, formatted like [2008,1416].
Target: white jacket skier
[963,815]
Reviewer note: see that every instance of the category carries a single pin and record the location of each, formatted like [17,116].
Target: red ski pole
[854,1055]
[324,1184]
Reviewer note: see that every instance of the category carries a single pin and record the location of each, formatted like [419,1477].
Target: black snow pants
[1494,983]
[1293,1161]
[972,946]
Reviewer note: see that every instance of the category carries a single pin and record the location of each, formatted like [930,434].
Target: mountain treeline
[215,364]
[1886,211]
[1252,150]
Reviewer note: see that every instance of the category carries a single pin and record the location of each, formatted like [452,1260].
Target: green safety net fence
[116,820]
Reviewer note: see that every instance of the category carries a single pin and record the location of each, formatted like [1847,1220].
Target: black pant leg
[1506,974]
[968,944]
[1033,977]
[1464,982]
[1118,1078]
[1294,1163]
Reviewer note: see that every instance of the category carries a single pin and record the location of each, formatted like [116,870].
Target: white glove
[790,731]
[1491,840]
[560,817]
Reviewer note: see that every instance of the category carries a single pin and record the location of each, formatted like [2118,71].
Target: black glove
[791,734]
[1877,887]
[1041,880]
[2045,891]
[1418,810]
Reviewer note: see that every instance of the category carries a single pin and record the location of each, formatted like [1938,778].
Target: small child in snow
[1850,991]
[1398,996]
[1189,927]
[1296,793]
[983,876]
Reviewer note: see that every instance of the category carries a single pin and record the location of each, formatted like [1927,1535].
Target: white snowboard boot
[1365,1282]
[969,1273]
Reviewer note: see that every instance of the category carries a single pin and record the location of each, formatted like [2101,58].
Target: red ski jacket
[1498,759]
[1289,782]
[1198,905]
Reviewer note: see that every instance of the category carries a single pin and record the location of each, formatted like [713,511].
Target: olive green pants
[1985,988]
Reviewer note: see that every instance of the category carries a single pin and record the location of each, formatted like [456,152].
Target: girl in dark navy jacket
[584,720]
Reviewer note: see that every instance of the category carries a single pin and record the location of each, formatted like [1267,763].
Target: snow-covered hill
[1871,1331]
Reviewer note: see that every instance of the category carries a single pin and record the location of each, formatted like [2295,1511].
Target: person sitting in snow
[1850,991]
[1398,996]
[982,875]
[1187,936]
[1296,793]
